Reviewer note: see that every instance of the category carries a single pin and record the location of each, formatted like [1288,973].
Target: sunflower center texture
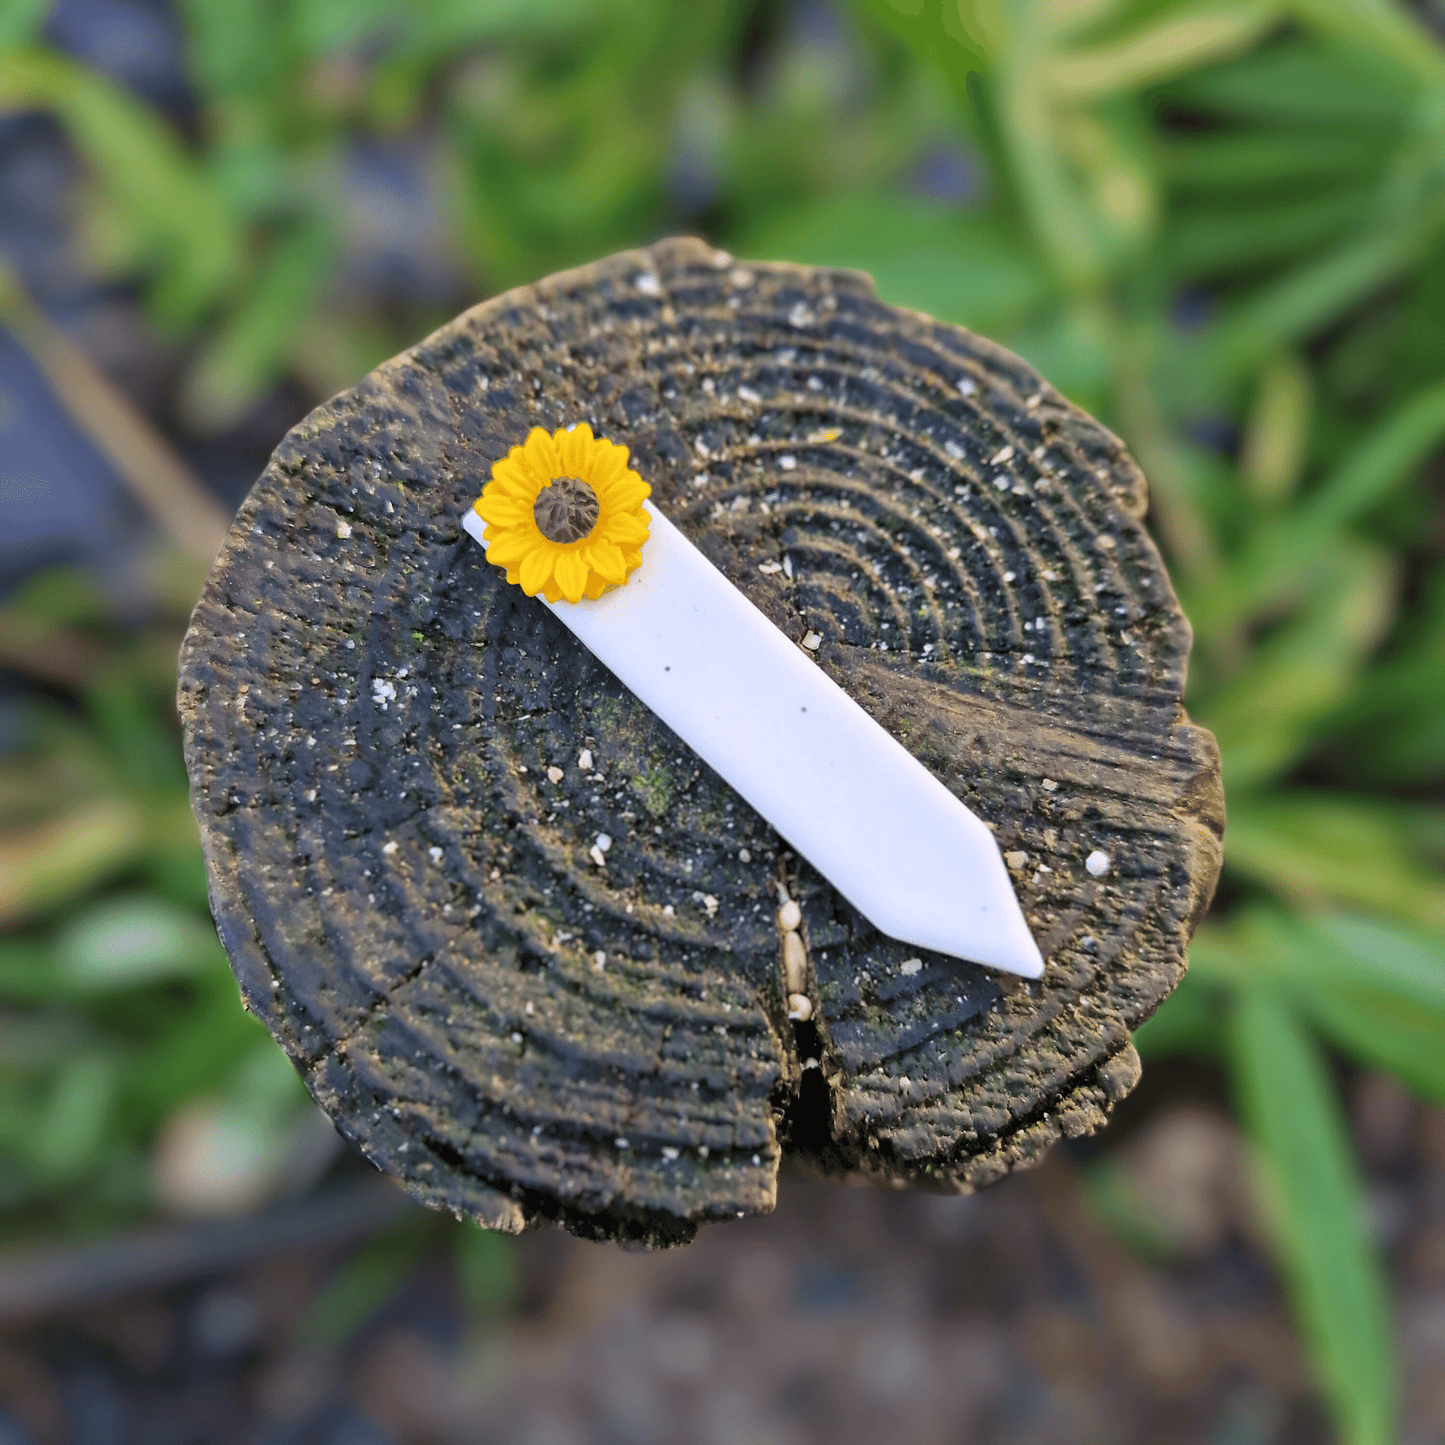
[565,510]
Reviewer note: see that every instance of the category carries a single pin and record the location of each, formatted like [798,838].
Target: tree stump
[402,765]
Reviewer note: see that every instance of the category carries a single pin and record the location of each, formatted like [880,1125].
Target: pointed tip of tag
[1009,947]
[1024,959]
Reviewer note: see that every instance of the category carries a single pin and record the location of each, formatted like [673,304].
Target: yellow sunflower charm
[564,514]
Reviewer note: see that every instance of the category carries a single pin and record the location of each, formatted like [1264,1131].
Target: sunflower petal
[606,560]
[508,545]
[605,464]
[536,569]
[504,511]
[541,454]
[625,494]
[510,475]
[625,528]
[571,574]
[574,449]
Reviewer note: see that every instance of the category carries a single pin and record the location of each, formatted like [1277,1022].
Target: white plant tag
[758,710]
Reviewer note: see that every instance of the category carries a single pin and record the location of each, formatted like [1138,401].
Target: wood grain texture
[407,896]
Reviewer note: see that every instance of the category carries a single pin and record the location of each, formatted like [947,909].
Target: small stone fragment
[910,966]
[812,641]
[584,759]
[554,774]
[795,963]
[604,841]
[1098,863]
[1016,859]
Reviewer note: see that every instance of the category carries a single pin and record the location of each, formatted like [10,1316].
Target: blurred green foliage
[1217,224]
[117,1008]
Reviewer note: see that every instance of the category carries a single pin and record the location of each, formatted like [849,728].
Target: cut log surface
[402,765]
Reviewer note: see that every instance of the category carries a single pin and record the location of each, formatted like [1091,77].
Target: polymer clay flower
[564,514]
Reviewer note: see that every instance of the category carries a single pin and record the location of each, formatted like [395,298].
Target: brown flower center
[565,510]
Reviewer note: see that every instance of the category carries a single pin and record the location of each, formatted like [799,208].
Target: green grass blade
[363,1285]
[1382,28]
[1387,457]
[253,346]
[1317,293]
[1318,1216]
[1217,239]
[63,857]
[1392,726]
[1069,230]
[1384,1033]
[1377,989]
[1300,82]
[20,21]
[1275,445]
[134,940]
[1331,850]
[487,1270]
[919,255]
[191,234]
[72,1125]
[1410,961]
[1274,160]
[926,30]
[1189,36]
[1273,709]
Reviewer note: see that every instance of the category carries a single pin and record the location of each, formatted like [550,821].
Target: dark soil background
[849,1315]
